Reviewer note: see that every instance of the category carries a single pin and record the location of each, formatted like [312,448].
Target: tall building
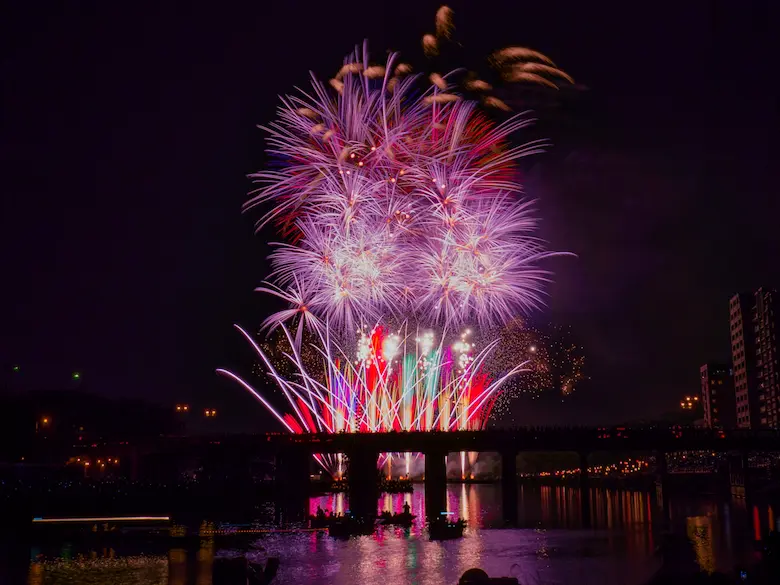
[764,325]
[717,396]
[742,350]
[753,318]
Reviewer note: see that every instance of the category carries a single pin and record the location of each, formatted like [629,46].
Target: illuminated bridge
[581,440]
[363,449]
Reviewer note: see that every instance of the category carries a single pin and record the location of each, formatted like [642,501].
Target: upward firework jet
[394,382]
[399,204]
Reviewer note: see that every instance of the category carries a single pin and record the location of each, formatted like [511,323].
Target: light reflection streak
[408,552]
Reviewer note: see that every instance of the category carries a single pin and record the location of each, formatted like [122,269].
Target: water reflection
[547,506]
[550,545]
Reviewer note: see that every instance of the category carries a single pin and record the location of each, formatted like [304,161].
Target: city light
[623,468]
[210,412]
[182,408]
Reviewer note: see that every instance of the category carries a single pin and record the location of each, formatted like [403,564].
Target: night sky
[128,129]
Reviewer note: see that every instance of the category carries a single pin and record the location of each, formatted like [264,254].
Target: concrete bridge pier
[584,491]
[292,485]
[739,474]
[662,483]
[509,504]
[435,483]
[363,482]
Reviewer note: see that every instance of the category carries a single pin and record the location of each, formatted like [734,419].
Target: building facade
[753,318]
[717,396]
[765,332]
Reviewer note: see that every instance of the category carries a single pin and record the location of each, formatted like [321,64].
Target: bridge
[579,440]
[363,449]
[293,454]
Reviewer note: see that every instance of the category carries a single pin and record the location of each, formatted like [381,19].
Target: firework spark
[396,381]
[554,362]
[516,65]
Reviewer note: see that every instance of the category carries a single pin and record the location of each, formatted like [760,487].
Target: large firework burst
[399,203]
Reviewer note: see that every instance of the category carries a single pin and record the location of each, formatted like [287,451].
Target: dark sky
[128,129]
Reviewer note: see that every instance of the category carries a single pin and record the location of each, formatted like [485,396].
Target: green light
[76,376]
[17,369]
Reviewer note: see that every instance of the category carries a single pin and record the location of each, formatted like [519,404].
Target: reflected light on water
[177,567]
[700,534]
[550,546]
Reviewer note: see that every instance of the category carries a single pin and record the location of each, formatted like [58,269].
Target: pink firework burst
[400,202]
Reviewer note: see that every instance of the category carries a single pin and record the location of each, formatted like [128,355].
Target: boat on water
[346,526]
[321,521]
[399,519]
[443,529]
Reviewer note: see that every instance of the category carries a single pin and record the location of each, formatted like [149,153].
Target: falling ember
[430,45]
[444,25]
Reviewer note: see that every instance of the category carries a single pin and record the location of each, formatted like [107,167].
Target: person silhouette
[407,508]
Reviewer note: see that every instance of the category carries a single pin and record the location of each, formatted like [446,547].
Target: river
[550,545]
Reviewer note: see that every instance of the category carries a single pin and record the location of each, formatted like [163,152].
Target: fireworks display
[409,213]
[396,381]
[519,68]
[399,204]
[553,360]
